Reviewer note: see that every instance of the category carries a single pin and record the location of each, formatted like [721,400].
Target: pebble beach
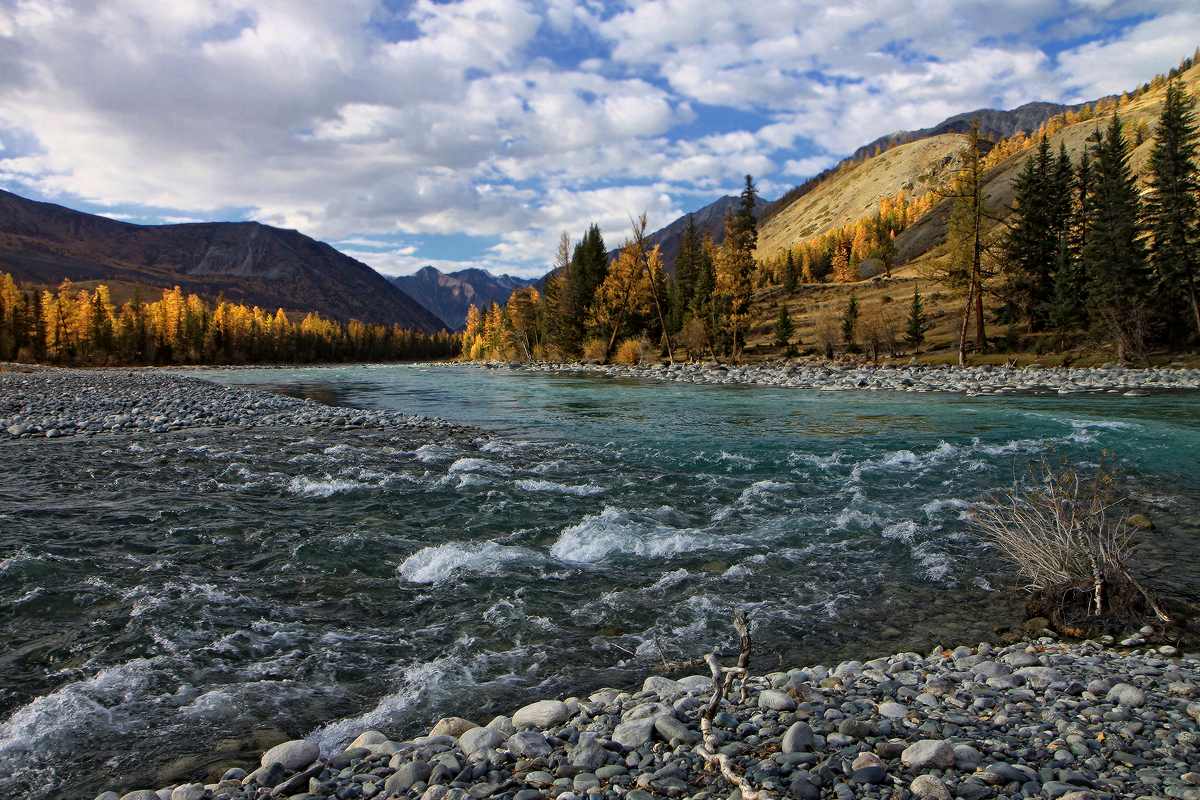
[1035,719]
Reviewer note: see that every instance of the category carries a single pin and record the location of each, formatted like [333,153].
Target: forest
[1083,251]
[78,326]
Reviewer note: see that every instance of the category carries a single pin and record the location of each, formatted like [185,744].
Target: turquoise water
[162,594]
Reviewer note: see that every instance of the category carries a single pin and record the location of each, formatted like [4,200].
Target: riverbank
[1039,718]
[982,380]
[54,403]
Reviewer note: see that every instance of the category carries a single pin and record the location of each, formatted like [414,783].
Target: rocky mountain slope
[449,294]
[914,168]
[243,261]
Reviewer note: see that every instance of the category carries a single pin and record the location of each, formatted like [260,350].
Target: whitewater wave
[435,453]
[935,507]
[304,486]
[903,531]
[754,494]
[438,563]
[617,531]
[419,683]
[56,722]
[553,487]
[479,465]
[853,518]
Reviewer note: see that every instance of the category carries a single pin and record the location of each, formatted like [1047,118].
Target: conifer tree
[1172,213]
[784,329]
[1114,259]
[790,273]
[687,267]
[745,222]
[918,323]
[850,324]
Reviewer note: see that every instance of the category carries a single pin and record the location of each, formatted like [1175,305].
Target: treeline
[628,309]
[1085,251]
[77,326]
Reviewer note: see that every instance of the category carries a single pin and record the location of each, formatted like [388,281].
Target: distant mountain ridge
[246,262]
[709,220]
[449,294]
[993,124]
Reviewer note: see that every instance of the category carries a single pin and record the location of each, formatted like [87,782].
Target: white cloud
[478,122]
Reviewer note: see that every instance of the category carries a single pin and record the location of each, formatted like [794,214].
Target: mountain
[852,193]
[994,124]
[449,294]
[852,190]
[247,262]
[709,220]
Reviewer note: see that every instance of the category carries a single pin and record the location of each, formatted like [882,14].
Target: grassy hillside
[913,168]
[921,248]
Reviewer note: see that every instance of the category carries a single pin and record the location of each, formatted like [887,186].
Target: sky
[471,133]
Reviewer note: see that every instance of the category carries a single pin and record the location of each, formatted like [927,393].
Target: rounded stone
[927,787]
[775,700]
[927,754]
[293,755]
[542,714]
[452,726]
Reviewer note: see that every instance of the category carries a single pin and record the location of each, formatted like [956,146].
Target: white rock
[542,714]
[292,755]
[928,753]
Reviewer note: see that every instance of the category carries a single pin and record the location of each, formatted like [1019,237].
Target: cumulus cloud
[513,119]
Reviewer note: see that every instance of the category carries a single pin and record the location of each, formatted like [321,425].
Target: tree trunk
[1195,305]
[966,321]
[980,337]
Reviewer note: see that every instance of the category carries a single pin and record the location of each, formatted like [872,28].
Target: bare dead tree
[639,239]
[723,678]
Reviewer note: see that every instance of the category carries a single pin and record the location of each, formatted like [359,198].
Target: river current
[169,603]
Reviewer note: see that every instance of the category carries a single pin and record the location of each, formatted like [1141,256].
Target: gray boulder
[406,776]
[528,744]
[480,739]
[928,754]
[634,733]
[293,755]
[542,714]
[798,739]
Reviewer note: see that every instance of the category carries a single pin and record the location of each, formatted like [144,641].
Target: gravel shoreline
[982,380]
[52,403]
[1040,718]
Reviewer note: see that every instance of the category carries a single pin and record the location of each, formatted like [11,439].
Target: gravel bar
[54,403]
[981,380]
[1036,719]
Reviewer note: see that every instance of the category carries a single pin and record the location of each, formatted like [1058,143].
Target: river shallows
[160,594]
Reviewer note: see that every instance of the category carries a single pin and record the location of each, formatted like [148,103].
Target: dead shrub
[1070,540]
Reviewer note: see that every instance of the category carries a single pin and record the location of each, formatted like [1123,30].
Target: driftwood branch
[723,678]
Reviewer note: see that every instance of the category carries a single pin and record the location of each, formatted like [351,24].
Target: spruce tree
[1114,259]
[850,324]
[687,265]
[784,328]
[790,273]
[918,323]
[1032,245]
[745,223]
[1172,214]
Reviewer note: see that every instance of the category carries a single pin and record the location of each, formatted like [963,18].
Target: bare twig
[722,678]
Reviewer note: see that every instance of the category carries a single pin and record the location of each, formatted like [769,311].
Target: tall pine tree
[1172,215]
[1114,259]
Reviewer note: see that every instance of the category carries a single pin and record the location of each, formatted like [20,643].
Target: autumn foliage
[74,325]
